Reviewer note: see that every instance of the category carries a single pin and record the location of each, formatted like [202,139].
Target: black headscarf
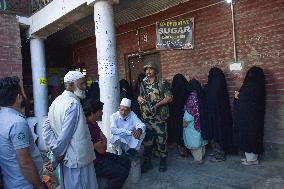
[194,85]
[136,92]
[93,92]
[125,90]
[140,78]
[249,112]
[219,124]
[180,92]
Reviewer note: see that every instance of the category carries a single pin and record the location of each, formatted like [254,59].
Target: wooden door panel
[136,65]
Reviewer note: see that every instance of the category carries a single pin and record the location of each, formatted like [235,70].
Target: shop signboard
[175,34]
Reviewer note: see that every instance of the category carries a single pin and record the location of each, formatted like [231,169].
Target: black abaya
[249,111]
[125,90]
[180,92]
[219,124]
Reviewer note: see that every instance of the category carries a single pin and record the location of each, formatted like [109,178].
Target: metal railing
[19,7]
[22,7]
[36,5]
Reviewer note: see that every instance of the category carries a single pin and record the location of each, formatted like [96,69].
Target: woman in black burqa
[249,109]
[93,91]
[180,92]
[136,92]
[219,125]
[125,89]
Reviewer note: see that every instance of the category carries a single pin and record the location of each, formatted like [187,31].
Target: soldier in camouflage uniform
[154,99]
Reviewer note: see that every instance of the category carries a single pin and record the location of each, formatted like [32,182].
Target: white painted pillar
[107,62]
[39,84]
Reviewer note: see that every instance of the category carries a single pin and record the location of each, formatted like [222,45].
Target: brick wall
[10,47]
[259,35]
[85,54]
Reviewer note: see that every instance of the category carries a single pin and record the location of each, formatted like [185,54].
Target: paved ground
[181,174]
[231,174]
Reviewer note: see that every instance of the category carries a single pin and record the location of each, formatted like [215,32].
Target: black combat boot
[163,164]
[147,165]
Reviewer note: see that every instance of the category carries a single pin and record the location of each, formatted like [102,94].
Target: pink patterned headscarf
[192,107]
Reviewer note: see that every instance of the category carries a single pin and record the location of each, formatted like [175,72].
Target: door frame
[127,65]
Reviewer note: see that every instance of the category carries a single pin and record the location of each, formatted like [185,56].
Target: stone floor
[181,174]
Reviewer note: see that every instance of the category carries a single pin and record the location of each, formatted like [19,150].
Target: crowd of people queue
[78,148]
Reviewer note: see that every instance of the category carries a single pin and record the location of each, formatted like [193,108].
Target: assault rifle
[147,98]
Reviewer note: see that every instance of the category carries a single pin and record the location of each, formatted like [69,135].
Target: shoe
[182,151]
[146,166]
[215,160]
[196,162]
[250,162]
[181,157]
[163,165]
[243,159]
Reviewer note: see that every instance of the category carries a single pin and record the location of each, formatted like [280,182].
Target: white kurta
[79,178]
[121,129]
[70,178]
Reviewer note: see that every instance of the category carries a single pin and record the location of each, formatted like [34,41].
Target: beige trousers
[198,153]
[251,156]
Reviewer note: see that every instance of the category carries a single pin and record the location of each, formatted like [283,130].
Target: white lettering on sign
[174,30]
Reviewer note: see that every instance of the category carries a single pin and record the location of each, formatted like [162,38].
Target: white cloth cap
[72,76]
[125,102]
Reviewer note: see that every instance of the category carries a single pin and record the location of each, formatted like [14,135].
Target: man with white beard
[71,143]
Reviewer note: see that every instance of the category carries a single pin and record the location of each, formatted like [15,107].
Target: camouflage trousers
[156,133]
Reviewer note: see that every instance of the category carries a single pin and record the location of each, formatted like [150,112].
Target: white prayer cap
[72,76]
[125,102]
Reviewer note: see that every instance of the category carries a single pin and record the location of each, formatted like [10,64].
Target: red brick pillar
[10,47]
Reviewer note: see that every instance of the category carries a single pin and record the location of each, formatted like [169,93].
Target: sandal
[182,151]
[196,162]
[215,160]
[250,162]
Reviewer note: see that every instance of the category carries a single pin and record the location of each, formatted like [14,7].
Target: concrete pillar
[107,62]
[39,84]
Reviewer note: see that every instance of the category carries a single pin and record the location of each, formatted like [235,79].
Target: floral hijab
[192,107]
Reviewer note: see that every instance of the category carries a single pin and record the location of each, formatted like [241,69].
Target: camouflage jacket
[154,93]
